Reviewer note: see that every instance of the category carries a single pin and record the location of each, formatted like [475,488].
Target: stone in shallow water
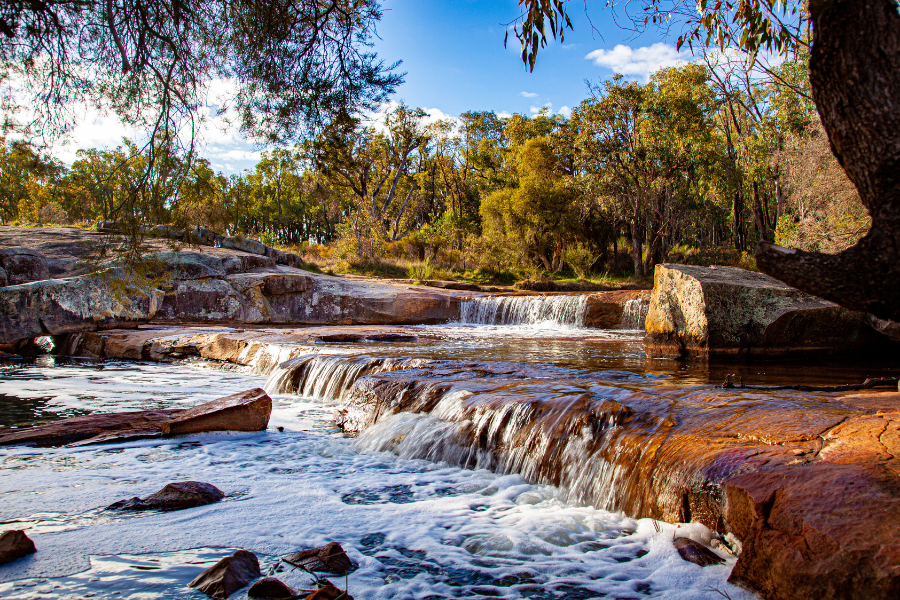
[329,558]
[696,552]
[329,592]
[271,588]
[14,544]
[228,575]
[175,496]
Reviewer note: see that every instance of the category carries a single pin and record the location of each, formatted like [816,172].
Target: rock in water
[329,592]
[244,411]
[14,544]
[175,496]
[271,588]
[696,552]
[228,575]
[329,558]
[700,312]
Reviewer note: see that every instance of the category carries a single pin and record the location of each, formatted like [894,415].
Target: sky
[453,56]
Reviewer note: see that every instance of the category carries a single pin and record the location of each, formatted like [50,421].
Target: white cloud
[504,114]
[639,61]
[565,111]
[528,94]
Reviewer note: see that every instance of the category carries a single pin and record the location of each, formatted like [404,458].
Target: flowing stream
[398,497]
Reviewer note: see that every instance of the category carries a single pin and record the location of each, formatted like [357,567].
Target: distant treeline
[697,165]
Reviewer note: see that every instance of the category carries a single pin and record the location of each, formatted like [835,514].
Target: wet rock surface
[245,411]
[14,544]
[696,552]
[174,496]
[719,311]
[271,588]
[329,558]
[228,575]
[329,592]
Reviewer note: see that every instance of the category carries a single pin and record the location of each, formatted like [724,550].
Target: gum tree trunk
[854,72]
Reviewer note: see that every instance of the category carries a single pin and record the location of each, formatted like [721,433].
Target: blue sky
[453,55]
[452,51]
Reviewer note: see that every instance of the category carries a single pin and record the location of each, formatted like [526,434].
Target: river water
[416,528]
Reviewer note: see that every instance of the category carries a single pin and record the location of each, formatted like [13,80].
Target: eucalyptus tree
[374,169]
[294,65]
[854,73]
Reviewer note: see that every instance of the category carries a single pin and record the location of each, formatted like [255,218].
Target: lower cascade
[559,311]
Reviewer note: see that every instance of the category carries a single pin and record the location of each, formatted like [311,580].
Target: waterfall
[592,447]
[328,378]
[560,311]
[634,313]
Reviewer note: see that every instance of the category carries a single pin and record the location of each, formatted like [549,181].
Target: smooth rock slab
[699,312]
[14,544]
[175,496]
[244,411]
[228,575]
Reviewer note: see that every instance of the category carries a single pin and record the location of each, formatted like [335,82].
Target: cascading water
[634,313]
[561,311]
[328,378]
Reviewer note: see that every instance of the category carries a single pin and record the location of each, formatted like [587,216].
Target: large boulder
[228,575]
[14,544]
[174,496]
[245,411]
[700,312]
[23,265]
[103,300]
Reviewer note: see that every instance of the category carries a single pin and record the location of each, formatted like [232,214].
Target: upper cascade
[560,311]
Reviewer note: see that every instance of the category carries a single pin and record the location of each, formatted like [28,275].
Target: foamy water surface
[417,529]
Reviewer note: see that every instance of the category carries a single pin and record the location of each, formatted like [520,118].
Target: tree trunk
[637,239]
[854,73]
[737,208]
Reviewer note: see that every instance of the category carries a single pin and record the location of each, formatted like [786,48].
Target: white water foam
[418,529]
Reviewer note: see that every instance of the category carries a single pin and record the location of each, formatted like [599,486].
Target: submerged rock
[244,411]
[329,558]
[271,588]
[14,544]
[696,552]
[175,496]
[704,311]
[228,575]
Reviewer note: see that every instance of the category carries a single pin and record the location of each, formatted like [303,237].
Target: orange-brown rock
[329,592]
[245,411]
[14,544]
[604,310]
[228,575]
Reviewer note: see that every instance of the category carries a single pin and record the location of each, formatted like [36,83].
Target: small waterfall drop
[328,378]
[634,313]
[560,311]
